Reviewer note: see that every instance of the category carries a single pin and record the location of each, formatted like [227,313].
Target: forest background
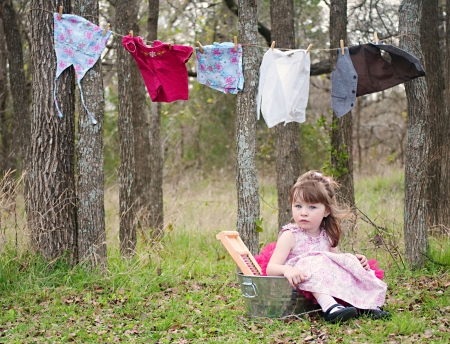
[199,155]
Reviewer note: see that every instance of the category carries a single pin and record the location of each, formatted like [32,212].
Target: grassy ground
[184,290]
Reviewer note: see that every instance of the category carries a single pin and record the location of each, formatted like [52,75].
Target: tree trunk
[91,206]
[418,147]
[127,230]
[287,137]
[342,128]
[156,153]
[142,140]
[52,210]
[246,174]
[429,40]
[444,215]
[6,146]
[18,85]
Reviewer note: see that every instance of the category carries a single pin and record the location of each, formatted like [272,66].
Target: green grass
[184,290]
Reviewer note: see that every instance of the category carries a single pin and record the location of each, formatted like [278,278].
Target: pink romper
[340,275]
[162,68]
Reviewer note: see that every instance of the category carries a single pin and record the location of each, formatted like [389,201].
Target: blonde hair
[314,187]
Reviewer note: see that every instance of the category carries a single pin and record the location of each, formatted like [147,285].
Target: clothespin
[375,37]
[235,43]
[309,48]
[131,33]
[170,46]
[106,29]
[200,48]
[273,45]
[342,47]
[60,13]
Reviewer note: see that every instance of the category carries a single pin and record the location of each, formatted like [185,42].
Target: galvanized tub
[272,297]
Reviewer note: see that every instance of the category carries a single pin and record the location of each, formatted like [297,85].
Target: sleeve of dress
[184,52]
[128,44]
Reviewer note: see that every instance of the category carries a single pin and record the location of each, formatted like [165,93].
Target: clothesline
[79,43]
[251,45]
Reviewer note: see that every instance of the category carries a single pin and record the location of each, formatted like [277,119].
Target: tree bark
[127,230]
[6,128]
[342,128]
[156,153]
[429,40]
[419,143]
[246,174]
[92,247]
[287,137]
[262,29]
[444,215]
[142,140]
[52,210]
[17,82]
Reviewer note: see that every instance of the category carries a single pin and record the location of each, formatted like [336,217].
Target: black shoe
[377,313]
[341,315]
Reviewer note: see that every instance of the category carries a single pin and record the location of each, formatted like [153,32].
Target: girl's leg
[326,301]
[333,311]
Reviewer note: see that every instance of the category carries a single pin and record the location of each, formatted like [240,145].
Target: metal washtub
[272,297]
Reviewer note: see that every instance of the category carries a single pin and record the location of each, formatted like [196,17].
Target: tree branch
[262,29]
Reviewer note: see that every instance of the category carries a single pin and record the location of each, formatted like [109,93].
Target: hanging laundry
[162,68]
[374,73]
[283,86]
[78,42]
[344,81]
[219,66]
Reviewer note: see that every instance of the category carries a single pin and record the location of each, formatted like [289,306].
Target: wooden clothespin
[106,29]
[342,47]
[273,45]
[235,43]
[60,13]
[309,48]
[200,48]
[375,37]
[170,46]
[131,33]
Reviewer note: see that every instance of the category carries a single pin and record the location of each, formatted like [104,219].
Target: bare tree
[287,136]
[17,80]
[246,174]
[429,41]
[52,211]
[342,128]
[90,192]
[6,128]
[444,216]
[156,154]
[127,230]
[419,142]
[141,135]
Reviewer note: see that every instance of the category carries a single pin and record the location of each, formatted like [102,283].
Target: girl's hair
[314,187]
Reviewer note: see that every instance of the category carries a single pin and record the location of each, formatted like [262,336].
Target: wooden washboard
[240,253]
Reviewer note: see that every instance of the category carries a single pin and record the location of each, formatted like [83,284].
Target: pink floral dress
[339,275]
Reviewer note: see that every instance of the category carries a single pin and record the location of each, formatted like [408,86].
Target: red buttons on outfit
[163,69]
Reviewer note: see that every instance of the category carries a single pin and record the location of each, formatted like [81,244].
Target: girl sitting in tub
[306,254]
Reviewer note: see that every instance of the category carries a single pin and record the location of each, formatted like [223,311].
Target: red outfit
[163,69]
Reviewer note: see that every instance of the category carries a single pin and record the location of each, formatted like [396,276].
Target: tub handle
[249,289]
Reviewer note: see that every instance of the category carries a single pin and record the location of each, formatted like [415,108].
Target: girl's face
[309,216]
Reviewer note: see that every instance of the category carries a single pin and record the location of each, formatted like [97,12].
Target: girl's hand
[294,276]
[363,260]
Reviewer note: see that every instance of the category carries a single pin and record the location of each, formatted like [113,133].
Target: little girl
[306,254]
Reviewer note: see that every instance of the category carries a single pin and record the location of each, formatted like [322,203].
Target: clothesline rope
[52,12]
